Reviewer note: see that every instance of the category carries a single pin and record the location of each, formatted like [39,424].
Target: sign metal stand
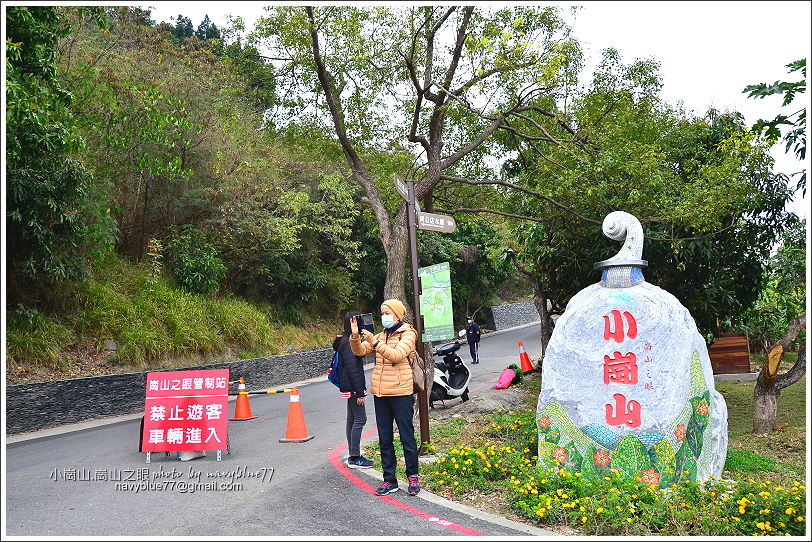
[426,221]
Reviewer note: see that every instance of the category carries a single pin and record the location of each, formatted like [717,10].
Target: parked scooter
[451,376]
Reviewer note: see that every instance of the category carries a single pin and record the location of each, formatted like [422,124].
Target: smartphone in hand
[365,321]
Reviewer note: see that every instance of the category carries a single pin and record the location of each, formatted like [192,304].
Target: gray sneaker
[385,488]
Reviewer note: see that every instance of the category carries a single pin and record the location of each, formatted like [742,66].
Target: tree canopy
[795,135]
[55,217]
[267,173]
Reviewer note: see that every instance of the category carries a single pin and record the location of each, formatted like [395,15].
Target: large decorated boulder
[626,379]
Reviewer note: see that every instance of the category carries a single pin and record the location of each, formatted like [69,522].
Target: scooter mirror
[461,333]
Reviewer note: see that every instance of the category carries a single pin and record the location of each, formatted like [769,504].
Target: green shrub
[143,342]
[240,323]
[187,322]
[105,313]
[193,260]
[32,337]
[611,503]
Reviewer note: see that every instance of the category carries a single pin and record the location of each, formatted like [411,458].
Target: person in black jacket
[473,333]
[353,388]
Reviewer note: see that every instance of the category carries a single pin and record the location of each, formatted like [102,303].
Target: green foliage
[795,136]
[166,125]
[149,317]
[193,260]
[259,74]
[369,277]
[702,187]
[783,293]
[744,461]
[291,242]
[473,251]
[239,322]
[33,336]
[182,29]
[56,217]
[207,30]
[393,78]
[612,503]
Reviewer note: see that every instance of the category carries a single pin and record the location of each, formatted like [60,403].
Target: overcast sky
[708,51]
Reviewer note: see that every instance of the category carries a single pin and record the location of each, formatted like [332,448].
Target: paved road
[308,493]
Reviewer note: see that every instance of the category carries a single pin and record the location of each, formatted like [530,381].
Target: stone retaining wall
[30,407]
[36,406]
[510,315]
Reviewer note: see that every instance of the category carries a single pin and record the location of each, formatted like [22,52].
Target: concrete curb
[468,510]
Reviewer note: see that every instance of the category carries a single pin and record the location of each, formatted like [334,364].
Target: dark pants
[474,352]
[399,409]
[356,418]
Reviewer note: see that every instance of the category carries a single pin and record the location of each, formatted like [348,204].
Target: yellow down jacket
[392,374]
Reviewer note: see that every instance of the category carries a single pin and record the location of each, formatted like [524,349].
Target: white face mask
[387,320]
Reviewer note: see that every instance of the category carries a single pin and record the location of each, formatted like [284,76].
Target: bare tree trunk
[397,254]
[142,237]
[540,301]
[546,329]
[766,407]
[769,384]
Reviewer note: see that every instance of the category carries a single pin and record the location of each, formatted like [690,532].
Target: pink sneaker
[414,485]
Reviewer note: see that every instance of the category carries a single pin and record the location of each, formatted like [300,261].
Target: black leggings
[400,410]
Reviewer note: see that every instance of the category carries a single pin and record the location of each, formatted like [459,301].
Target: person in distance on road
[473,333]
[392,387]
[353,388]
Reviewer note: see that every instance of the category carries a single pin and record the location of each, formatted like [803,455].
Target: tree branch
[360,172]
[491,211]
[418,106]
[476,142]
[796,371]
[455,58]
[443,19]
[799,369]
[487,73]
[526,191]
[560,206]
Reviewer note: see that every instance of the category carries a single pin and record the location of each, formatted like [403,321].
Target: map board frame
[436,302]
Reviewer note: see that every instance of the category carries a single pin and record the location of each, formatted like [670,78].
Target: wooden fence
[730,353]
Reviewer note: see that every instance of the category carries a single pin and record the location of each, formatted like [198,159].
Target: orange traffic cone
[243,410]
[526,365]
[297,430]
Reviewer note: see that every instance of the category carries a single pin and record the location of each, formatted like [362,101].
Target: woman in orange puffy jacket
[392,387]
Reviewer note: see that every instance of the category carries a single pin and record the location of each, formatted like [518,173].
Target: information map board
[435,302]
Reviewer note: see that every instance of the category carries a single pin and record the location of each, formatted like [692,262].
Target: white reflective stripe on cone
[294,398]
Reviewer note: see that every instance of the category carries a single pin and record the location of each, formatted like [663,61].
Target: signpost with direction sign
[432,222]
[400,186]
[424,221]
